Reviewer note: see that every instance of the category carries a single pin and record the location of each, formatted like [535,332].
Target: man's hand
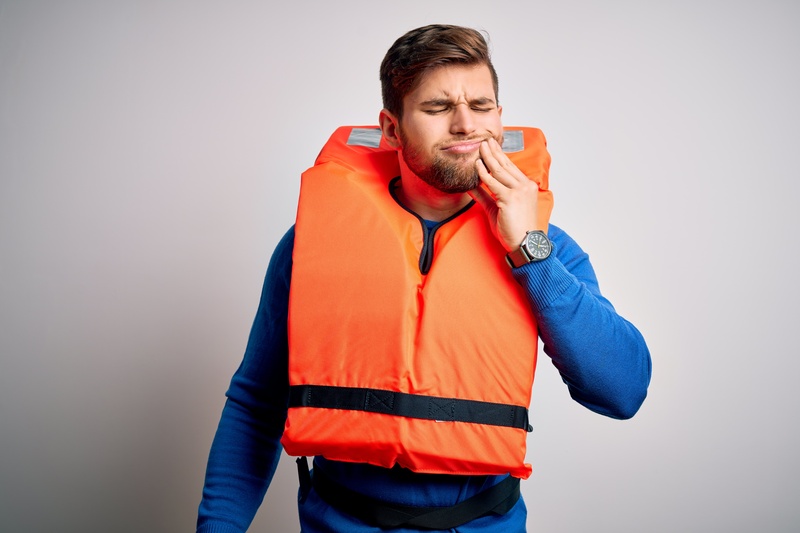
[511,206]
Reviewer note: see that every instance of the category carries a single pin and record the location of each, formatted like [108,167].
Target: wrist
[536,246]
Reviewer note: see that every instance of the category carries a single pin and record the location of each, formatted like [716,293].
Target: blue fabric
[602,358]
[317,516]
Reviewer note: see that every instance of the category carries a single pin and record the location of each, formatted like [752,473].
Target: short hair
[427,48]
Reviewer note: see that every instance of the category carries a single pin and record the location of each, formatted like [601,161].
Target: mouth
[463,147]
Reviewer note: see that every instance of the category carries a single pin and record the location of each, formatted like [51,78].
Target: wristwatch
[534,247]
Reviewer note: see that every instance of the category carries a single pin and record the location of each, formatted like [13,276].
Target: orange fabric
[361,314]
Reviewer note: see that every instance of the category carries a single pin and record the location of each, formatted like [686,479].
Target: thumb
[483,198]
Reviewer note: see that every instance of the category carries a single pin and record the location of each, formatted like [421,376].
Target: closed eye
[437,110]
[440,106]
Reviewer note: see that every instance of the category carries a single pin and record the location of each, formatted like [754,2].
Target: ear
[500,110]
[389,125]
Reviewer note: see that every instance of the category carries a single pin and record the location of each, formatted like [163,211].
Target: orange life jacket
[405,348]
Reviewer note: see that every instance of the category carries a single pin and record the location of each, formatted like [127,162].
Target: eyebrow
[434,102]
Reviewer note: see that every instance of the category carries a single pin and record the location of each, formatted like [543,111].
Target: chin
[458,187]
[465,187]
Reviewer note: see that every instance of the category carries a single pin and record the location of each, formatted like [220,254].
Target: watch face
[538,245]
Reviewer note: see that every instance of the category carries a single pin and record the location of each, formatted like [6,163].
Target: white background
[150,155]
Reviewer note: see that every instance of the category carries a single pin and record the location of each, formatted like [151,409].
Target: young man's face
[444,120]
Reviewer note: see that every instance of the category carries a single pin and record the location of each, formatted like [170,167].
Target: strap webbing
[497,499]
[409,405]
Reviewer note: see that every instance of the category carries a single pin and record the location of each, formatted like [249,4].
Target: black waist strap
[409,405]
[497,499]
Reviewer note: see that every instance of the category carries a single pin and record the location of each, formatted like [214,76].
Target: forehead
[454,82]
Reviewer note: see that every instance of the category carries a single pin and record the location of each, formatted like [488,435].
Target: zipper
[428,233]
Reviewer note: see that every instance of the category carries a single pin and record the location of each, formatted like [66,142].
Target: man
[399,318]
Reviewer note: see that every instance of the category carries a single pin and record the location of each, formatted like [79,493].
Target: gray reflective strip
[513,142]
[365,137]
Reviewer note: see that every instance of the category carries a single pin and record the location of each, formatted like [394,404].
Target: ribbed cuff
[544,281]
[218,528]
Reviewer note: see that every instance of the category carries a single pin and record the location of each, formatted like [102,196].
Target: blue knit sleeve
[246,447]
[601,357]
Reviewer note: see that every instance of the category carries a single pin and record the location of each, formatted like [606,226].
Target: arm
[246,448]
[602,357]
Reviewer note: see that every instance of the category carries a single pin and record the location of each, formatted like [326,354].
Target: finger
[499,165]
[505,162]
[490,180]
[483,198]
[498,179]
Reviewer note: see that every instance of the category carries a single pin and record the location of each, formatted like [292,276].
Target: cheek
[495,125]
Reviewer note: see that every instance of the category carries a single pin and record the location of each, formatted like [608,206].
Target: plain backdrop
[150,154]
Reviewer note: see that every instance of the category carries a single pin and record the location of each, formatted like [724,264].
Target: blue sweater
[601,357]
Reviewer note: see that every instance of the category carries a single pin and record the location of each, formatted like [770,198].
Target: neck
[426,201]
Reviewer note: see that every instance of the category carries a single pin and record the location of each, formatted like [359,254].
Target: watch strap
[517,258]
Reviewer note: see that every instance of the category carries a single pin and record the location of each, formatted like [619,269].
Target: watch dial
[538,245]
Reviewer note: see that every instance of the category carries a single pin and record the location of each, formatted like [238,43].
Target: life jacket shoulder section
[364,149]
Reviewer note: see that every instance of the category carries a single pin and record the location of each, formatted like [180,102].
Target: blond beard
[448,175]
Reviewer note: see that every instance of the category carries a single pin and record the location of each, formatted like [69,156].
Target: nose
[463,121]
